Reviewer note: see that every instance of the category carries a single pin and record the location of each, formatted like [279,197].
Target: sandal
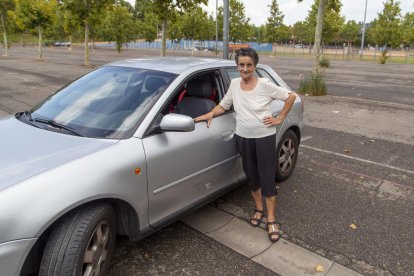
[257,220]
[273,233]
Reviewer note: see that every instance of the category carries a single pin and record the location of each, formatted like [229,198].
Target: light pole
[216,25]
[363,29]
[225,29]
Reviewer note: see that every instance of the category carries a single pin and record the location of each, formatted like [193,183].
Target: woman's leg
[247,150]
[270,205]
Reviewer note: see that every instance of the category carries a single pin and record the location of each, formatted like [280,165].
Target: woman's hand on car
[206,117]
[270,121]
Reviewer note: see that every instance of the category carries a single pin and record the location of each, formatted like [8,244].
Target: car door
[186,168]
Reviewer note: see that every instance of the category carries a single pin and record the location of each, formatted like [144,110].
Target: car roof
[174,65]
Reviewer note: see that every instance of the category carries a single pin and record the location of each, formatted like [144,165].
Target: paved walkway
[282,257]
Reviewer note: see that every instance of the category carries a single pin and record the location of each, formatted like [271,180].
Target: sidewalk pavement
[282,257]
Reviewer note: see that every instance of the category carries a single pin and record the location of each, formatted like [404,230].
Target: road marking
[305,138]
[359,159]
[373,101]
[364,175]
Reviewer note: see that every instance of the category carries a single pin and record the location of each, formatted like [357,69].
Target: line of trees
[119,21]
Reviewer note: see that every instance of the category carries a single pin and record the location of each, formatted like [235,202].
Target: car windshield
[109,102]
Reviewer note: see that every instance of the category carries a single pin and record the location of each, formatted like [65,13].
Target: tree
[192,25]
[121,26]
[239,28]
[164,9]
[350,31]
[70,26]
[326,29]
[174,31]
[388,30]
[284,34]
[5,6]
[82,11]
[274,22]
[36,14]
[369,32]
[148,28]
[301,32]
[408,26]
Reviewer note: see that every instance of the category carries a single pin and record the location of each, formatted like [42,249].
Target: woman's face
[246,67]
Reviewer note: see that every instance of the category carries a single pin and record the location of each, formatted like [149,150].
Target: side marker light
[137,171]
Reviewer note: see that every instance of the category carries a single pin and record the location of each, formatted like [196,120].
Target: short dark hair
[247,52]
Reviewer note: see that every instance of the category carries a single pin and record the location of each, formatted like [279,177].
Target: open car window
[109,102]
[233,73]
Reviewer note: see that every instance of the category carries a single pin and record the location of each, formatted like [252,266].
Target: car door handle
[227,135]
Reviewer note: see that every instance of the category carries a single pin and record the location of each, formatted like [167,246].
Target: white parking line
[358,159]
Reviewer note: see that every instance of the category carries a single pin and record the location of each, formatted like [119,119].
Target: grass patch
[313,85]
[324,62]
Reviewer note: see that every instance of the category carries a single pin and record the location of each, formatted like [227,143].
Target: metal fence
[397,55]
[352,53]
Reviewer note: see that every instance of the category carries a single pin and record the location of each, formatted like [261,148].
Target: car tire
[287,153]
[81,243]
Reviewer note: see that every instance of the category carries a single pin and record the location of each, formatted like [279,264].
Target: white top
[253,106]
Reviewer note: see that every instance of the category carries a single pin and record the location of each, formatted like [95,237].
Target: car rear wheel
[81,242]
[287,150]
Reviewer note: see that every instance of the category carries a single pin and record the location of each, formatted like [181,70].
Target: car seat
[196,102]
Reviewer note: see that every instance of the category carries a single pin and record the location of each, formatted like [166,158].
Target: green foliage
[239,28]
[369,39]
[383,58]
[119,26]
[301,32]
[313,85]
[388,30]
[350,31]
[274,22]
[174,30]
[324,62]
[408,25]
[148,28]
[332,23]
[32,13]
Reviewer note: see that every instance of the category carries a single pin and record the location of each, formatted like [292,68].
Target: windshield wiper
[28,115]
[54,124]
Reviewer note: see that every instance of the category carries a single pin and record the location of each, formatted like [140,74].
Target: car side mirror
[177,122]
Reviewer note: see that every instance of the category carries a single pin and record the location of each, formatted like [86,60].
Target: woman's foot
[256,219]
[274,234]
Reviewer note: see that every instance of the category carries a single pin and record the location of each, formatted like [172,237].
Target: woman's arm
[270,121]
[209,116]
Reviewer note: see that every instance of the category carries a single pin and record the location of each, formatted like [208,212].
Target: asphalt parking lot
[371,186]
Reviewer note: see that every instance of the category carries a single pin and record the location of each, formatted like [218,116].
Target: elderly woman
[255,131]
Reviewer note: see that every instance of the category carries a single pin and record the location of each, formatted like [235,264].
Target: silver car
[117,152]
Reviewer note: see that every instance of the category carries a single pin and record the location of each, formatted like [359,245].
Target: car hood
[26,150]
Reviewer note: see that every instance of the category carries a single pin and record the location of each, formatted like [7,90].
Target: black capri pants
[259,160]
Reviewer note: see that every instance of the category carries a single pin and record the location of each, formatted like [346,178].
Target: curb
[282,257]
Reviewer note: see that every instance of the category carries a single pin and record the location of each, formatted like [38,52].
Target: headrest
[153,83]
[199,88]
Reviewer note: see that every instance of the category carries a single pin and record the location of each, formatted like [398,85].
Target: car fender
[31,206]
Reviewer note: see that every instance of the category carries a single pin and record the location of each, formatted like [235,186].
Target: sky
[258,11]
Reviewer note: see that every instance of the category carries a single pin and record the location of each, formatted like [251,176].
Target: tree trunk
[164,37]
[70,43]
[93,42]
[192,53]
[87,42]
[4,36]
[173,45]
[40,40]
[318,35]
[21,39]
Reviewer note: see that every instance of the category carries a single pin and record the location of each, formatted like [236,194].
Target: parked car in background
[298,46]
[117,151]
[64,43]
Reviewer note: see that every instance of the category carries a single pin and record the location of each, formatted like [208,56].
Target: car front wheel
[81,242]
[287,150]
